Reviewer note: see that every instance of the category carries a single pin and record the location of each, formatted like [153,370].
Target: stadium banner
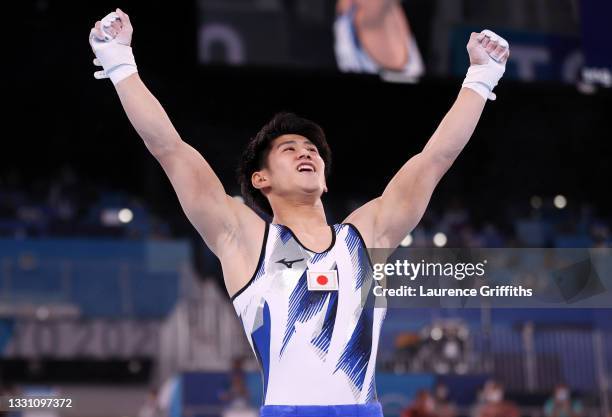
[597,41]
[67,339]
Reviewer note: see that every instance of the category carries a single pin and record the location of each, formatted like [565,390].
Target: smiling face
[294,168]
[268,169]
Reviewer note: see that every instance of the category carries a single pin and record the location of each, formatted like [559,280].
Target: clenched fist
[489,53]
[110,40]
[115,26]
[485,45]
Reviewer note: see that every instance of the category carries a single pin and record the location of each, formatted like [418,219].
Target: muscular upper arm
[220,219]
[386,220]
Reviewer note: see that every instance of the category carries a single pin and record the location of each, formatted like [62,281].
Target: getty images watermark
[423,270]
[497,278]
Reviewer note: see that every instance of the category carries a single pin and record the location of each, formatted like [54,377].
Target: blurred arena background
[109,297]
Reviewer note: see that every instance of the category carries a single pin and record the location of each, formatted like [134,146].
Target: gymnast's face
[294,168]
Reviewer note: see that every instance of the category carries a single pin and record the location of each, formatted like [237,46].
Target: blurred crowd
[67,205]
[491,402]
[539,221]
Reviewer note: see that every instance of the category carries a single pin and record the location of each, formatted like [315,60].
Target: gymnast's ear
[260,180]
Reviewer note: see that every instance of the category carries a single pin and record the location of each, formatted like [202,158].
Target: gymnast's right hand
[110,41]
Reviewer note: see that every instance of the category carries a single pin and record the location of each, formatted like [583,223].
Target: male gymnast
[296,282]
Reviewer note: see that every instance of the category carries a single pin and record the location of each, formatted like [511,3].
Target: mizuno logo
[288,264]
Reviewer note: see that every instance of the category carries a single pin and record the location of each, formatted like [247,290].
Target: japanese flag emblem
[322,280]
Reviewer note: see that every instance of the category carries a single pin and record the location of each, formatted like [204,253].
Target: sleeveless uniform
[314,341]
[351,57]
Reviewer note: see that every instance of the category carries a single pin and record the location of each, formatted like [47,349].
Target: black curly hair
[255,156]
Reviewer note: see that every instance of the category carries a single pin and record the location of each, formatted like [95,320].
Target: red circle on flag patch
[322,280]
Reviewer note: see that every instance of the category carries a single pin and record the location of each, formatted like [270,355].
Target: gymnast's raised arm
[226,225]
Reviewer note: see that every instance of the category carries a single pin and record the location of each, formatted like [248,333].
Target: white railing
[203,333]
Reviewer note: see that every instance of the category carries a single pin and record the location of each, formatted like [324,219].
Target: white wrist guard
[484,78]
[116,59]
